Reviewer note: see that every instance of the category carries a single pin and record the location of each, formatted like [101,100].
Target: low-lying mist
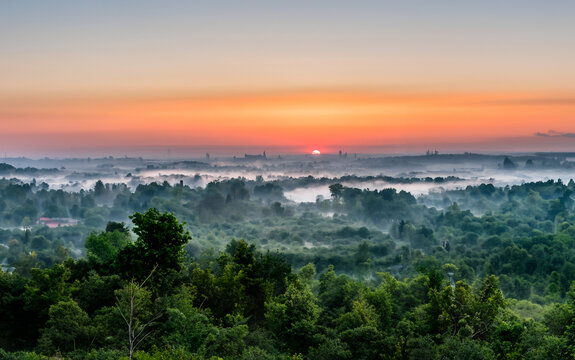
[418,175]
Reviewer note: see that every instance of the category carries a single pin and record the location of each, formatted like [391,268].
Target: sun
[316,152]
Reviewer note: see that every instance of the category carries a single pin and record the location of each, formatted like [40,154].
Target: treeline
[289,182]
[22,204]
[523,234]
[145,299]
[7,169]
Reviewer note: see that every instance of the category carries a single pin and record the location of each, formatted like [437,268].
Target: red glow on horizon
[289,120]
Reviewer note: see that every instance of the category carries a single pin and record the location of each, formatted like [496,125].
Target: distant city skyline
[385,76]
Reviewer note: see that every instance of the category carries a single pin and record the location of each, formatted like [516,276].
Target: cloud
[531,101]
[544,101]
[553,133]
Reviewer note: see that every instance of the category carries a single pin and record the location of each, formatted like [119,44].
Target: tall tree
[67,329]
[134,303]
[160,244]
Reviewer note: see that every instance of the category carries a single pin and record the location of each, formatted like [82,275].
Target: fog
[419,175]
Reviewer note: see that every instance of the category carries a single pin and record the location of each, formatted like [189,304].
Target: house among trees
[57,222]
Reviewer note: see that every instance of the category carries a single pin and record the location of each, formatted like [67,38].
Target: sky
[293,76]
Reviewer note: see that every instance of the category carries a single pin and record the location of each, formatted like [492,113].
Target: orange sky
[357,76]
[322,119]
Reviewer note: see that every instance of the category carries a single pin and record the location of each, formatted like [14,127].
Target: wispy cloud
[531,101]
[553,133]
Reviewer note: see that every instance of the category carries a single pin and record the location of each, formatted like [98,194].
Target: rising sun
[315,152]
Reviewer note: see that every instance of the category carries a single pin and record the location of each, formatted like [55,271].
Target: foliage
[67,329]
[160,246]
[134,304]
[482,272]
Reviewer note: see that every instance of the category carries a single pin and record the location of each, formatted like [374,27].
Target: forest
[235,270]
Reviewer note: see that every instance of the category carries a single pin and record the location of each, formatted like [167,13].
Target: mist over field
[359,171]
[362,171]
